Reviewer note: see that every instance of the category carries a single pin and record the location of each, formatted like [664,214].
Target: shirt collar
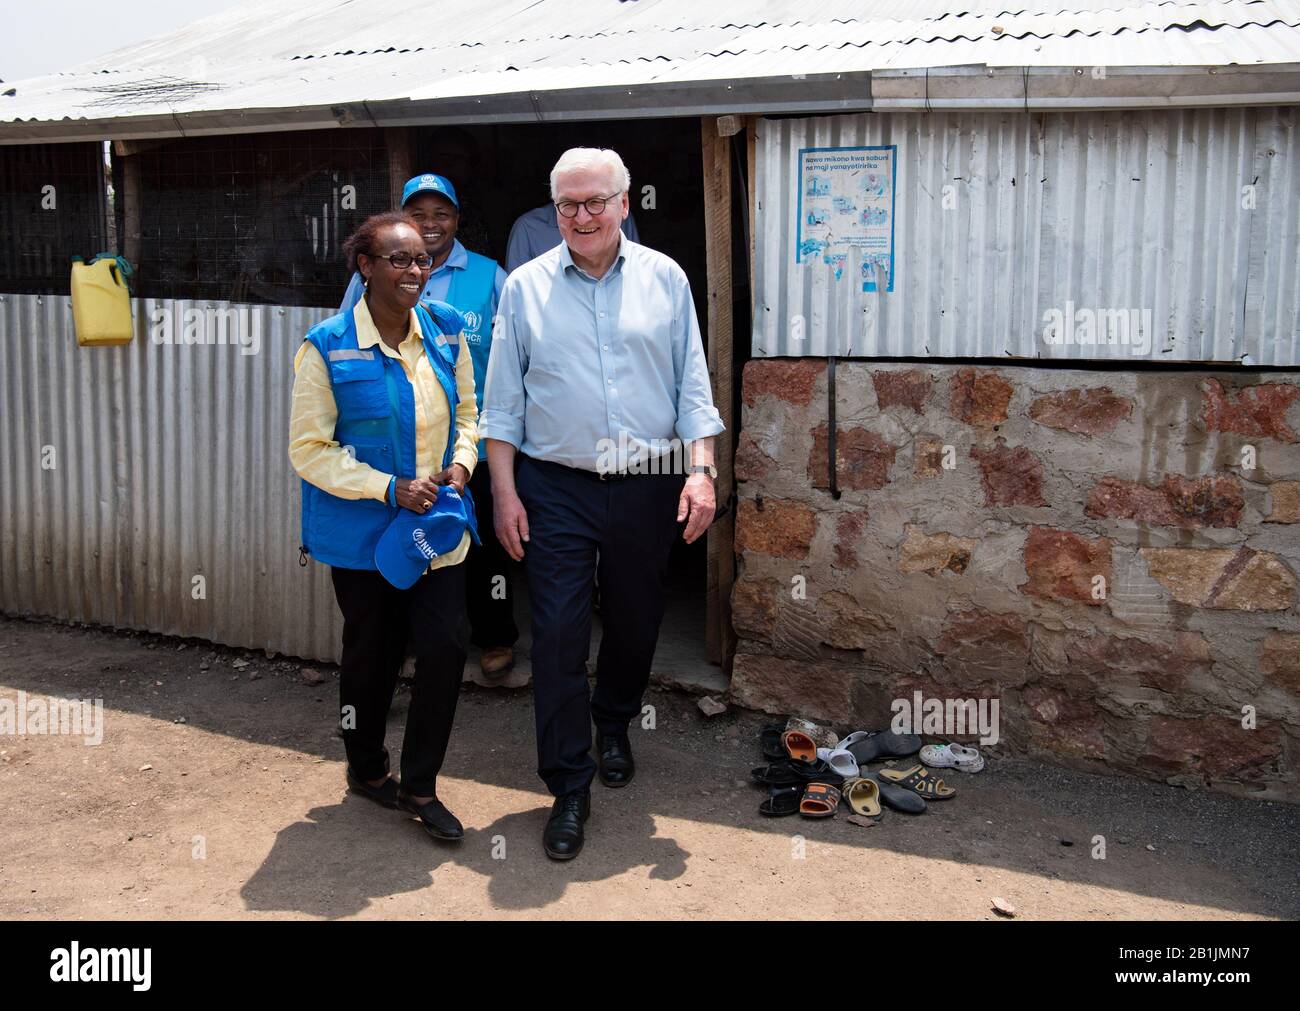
[457,259]
[368,334]
[566,257]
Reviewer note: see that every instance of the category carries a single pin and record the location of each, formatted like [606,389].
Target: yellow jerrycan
[101,301]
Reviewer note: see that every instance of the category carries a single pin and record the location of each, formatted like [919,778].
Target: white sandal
[952,756]
[840,761]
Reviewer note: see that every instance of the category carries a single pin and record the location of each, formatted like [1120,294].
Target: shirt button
[604,347]
[602,315]
[610,381]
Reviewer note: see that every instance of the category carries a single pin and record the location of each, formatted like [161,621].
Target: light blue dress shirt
[536,231]
[579,365]
[437,285]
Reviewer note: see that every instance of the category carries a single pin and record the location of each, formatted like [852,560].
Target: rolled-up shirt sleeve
[697,418]
[503,394]
[313,451]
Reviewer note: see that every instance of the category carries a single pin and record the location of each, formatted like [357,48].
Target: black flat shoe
[440,823]
[562,838]
[616,765]
[385,794]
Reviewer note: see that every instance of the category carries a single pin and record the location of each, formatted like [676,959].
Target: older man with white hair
[599,423]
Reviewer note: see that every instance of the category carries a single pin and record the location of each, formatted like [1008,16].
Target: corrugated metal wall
[165,462]
[1000,218]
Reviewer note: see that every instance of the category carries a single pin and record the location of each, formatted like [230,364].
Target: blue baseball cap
[429,183]
[413,540]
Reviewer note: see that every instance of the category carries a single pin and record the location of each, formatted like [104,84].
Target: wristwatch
[704,468]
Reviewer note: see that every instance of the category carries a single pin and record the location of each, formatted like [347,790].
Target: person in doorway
[383,432]
[472,284]
[536,231]
[597,346]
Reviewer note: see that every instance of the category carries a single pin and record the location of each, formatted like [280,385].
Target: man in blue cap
[472,283]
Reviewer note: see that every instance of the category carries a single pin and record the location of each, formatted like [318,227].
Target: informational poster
[846,211]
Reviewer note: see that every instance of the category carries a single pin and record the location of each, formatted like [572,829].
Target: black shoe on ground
[385,793]
[562,838]
[616,765]
[436,819]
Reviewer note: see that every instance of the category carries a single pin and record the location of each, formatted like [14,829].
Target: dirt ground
[218,793]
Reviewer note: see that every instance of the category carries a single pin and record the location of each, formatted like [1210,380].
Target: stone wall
[1097,550]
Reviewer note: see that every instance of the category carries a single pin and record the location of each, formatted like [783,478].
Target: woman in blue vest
[383,431]
[472,283]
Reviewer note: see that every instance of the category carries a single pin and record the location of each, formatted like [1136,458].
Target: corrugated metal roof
[287,55]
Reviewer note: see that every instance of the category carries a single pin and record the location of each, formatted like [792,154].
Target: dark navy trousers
[580,526]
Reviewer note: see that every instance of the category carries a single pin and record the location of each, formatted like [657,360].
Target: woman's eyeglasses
[401,261]
[595,206]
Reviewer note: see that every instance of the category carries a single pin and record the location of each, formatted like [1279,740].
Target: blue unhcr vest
[471,291]
[376,418]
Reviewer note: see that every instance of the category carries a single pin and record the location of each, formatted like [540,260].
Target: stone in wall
[788,379]
[862,459]
[927,457]
[1211,748]
[907,388]
[1089,412]
[1239,579]
[1065,725]
[1279,660]
[751,463]
[1286,502]
[933,553]
[845,625]
[754,606]
[1209,501]
[849,530]
[977,644]
[980,398]
[770,526]
[1255,411]
[1062,565]
[1163,664]
[813,689]
[1009,477]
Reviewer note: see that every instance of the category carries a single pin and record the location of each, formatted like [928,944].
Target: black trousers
[378,620]
[489,599]
[580,526]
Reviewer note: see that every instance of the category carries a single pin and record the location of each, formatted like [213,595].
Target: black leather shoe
[616,765]
[385,793]
[562,839]
[436,819]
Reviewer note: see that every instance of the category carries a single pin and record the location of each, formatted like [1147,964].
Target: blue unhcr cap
[413,540]
[429,183]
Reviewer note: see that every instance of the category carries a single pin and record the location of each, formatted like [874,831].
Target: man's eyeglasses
[401,261]
[595,206]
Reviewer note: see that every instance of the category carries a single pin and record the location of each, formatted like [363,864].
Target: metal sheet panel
[278,57]
[1001,218]
[125,472]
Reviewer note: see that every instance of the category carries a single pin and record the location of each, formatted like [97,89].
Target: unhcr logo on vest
[472,323]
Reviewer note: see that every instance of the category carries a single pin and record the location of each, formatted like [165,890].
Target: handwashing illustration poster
[846,202]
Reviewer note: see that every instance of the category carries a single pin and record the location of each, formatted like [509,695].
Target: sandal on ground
[920,781]
[863,795]
[840,760]
[819,800]
[878,744]
[799,746]
[823,737]
[952,756]
[384,794]
[898,798]
[788,772]
[782,801]
[769,741]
